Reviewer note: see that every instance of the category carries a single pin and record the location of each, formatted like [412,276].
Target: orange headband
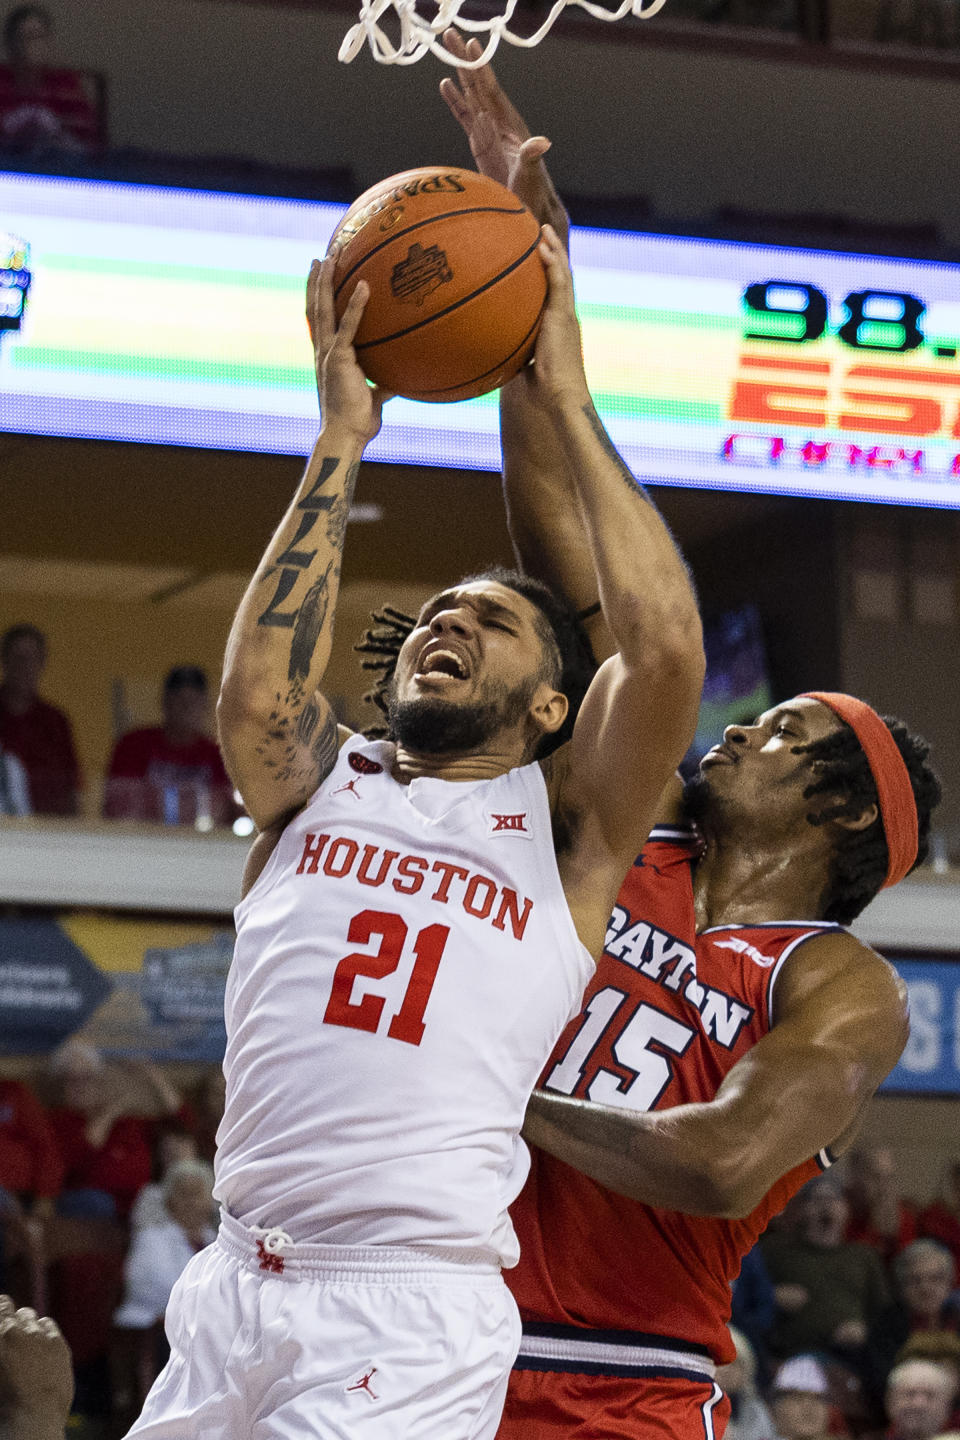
[898,808]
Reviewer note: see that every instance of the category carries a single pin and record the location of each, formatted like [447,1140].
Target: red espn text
[805,396]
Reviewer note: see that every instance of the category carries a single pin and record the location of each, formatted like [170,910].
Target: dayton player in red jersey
[734,1029]
[727,1045]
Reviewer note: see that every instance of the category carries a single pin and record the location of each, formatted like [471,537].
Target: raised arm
[278,733]
[640,712]
[538,488]
[842,1023]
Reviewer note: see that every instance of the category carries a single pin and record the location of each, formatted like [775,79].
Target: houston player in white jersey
[418,921]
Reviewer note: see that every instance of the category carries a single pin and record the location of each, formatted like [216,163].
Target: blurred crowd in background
[106,1191]
[846,1315]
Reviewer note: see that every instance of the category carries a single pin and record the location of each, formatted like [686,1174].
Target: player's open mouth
[442,664]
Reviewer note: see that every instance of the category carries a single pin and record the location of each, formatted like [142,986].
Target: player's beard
[431,725]
[700,802]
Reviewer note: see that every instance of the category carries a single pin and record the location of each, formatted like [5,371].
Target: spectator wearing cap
[924,1276]
[879,1215]
[32,729]
[800,1400]
[44,109]
[919,1399]
[941,1220]
[172,774]
[749,1417]
[828,1290]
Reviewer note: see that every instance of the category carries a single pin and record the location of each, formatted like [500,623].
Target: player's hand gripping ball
[457,287]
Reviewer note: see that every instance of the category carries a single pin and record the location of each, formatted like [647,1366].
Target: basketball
[457,287]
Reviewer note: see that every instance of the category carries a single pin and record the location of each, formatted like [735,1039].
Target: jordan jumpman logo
[364,1384]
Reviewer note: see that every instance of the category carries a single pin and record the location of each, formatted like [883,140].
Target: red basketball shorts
[622,1392]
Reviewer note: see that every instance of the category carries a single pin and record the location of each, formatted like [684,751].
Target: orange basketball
[457,287]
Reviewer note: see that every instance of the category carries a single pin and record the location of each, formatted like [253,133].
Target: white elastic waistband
[272,1252]
[613,1356]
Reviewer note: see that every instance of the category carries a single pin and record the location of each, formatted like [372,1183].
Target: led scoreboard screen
[142,313]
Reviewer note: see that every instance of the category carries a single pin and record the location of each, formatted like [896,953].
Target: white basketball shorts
[275,1341]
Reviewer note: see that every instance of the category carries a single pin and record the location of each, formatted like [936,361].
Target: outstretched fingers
[461,94]
[554,256]
[346,331]
[320,304]
[477,92]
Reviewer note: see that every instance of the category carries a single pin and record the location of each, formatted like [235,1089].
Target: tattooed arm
[278,733]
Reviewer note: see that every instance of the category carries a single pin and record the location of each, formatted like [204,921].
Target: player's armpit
[634,727]
[841,1026]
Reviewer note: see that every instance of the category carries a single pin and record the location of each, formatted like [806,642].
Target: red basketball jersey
[666,1016]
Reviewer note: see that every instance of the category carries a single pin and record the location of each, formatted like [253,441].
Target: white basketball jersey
[403,967]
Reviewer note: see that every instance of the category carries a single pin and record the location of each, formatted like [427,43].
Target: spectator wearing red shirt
[29,1180]
[44,109]
[941,1220]
[172,773]
[105,1147]
[36,732]
[879,1216]
[30,1163]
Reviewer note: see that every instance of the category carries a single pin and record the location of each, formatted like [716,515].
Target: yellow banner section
[117,943]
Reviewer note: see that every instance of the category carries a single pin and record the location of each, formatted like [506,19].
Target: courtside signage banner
[175,317]
[931,1061]
[126,985]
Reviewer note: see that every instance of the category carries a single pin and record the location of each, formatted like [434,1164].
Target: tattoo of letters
[301,743]
[291,562]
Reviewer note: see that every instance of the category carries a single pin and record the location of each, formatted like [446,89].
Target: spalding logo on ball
[457,287]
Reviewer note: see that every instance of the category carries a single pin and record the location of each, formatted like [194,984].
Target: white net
[418,35]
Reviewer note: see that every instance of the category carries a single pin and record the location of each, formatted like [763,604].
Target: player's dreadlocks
[569,663]
[860,858]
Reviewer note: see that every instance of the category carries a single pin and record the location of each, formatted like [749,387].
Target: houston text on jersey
[407,874]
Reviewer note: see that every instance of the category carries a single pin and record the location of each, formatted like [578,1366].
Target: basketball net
[418,35]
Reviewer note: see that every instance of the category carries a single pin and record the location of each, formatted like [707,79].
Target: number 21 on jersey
[367,1012]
